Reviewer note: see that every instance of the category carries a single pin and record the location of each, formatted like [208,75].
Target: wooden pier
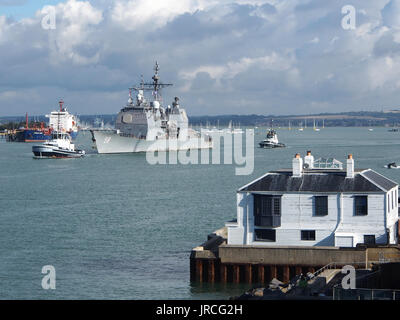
[215,261]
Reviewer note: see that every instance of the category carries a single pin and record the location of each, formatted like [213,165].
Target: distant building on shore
[317,203]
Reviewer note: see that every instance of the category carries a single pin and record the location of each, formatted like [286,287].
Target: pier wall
[254,264]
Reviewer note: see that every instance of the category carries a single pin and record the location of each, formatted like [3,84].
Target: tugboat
[392,165]
[60,146]
[271,141]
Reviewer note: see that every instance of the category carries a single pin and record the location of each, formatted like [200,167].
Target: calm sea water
[115,227]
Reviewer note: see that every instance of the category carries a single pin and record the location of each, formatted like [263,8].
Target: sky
[223,57]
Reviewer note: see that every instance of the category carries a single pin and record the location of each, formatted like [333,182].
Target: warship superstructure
[143,125]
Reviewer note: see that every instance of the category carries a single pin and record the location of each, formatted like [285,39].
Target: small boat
[315,128]
[393,130]
[370,129]
[392,165]
[60,146]
[271,141]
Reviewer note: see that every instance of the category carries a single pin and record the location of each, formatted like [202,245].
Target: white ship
[143,126]
[63,120]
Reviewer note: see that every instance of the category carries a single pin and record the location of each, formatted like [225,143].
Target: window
[308,235]
[392,200]
[267,211]
[265,235]
[361,205]
[369,239]
[321,206]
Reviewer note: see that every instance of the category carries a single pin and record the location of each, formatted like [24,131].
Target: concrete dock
[215,261]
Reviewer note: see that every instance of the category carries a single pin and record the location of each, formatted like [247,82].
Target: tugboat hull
[42,152]
[271,145]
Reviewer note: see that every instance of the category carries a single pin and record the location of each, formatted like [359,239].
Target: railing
[365,294]
[340,293]
[329,266]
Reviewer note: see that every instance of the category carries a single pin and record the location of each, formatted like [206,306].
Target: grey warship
[143,125]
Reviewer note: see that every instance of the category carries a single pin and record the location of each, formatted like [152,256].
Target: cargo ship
[64,120]
[57,119]
[28,134]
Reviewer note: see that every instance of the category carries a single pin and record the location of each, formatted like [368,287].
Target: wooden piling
[298,270]
[286,274]
[273,272]
[211,271]
[223,273]
[248,273]
[199,270]
[236,274]
[261,273]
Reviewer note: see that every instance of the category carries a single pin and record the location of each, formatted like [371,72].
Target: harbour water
[116,227]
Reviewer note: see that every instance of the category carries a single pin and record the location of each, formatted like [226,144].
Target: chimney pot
[350,166]
[297,165]
[309,160]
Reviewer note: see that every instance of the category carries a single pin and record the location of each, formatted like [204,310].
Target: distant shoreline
[344,119]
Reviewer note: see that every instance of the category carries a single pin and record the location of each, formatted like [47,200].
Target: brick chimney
[297,164]
[350,166]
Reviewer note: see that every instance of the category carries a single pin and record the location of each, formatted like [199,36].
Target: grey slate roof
[379,179]
[321,181]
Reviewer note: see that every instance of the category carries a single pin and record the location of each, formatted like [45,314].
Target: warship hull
[112,142]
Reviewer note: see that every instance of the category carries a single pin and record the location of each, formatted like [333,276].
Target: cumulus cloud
[232,69]
[76,21]
[228,56]
[391,14]
[152,14]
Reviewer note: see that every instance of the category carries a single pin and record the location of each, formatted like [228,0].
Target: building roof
[365,180]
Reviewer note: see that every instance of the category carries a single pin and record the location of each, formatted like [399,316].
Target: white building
[316,203]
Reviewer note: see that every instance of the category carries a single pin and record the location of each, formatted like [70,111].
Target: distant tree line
[344,119]
[16,125]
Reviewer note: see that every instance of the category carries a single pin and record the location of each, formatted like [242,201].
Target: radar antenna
[154,86]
